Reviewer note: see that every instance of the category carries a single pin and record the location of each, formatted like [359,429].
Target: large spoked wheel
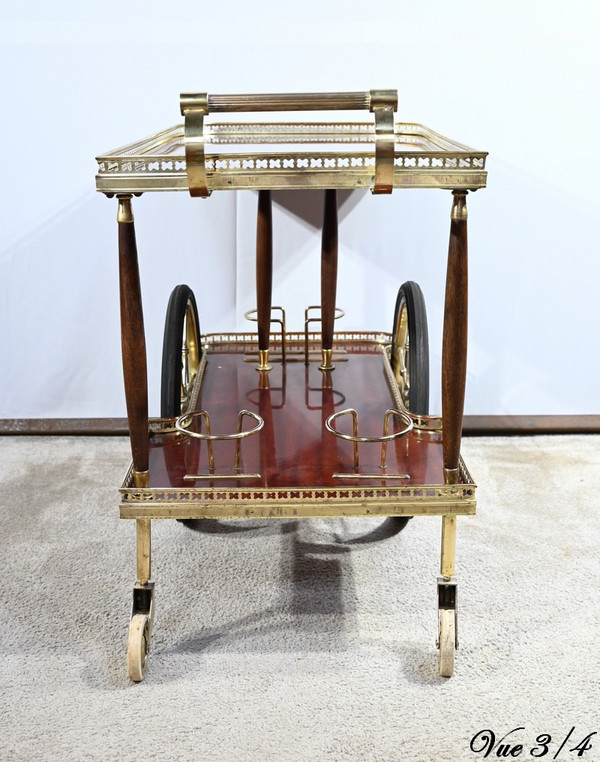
[181,352]
[410,348]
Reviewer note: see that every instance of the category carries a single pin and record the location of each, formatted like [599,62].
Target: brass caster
[447,641]
[140,628]
[138,645]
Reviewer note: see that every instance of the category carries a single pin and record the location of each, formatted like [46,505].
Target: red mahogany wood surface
[294,449]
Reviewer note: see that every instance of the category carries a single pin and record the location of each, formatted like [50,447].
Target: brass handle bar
[353,101]
[195,106]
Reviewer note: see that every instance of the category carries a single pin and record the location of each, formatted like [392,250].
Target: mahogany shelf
[294,466]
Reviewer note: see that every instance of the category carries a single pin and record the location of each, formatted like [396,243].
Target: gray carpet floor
[289,641]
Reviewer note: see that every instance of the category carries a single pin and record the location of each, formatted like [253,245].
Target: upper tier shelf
[379,155]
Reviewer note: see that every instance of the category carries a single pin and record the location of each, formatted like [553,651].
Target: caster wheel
[447,641]
[138,646]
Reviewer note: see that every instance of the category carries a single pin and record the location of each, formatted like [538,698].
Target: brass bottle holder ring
[291,354]
[182,425]
[383,439]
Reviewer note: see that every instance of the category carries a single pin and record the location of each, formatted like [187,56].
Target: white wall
[517,79]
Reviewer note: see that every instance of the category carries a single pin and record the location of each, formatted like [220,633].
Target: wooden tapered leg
[133,342]
[264,275]
[329,259]
[454,349]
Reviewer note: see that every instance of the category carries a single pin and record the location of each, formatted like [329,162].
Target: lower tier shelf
[292,465]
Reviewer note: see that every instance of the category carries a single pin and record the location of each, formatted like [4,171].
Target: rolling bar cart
[281,424]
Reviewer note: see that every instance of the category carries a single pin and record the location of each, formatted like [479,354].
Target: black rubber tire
[410,300]
[181,303]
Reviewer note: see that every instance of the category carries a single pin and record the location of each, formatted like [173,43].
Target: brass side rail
[291,155]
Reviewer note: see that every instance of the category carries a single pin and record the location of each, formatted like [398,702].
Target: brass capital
[327,360]
[263,360]
[459,206]
[124,213]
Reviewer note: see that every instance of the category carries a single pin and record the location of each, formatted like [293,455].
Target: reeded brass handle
[292,101]
[382,103]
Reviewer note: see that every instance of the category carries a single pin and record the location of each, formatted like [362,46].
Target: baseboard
[473,425]
[506,425]
[65,426]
